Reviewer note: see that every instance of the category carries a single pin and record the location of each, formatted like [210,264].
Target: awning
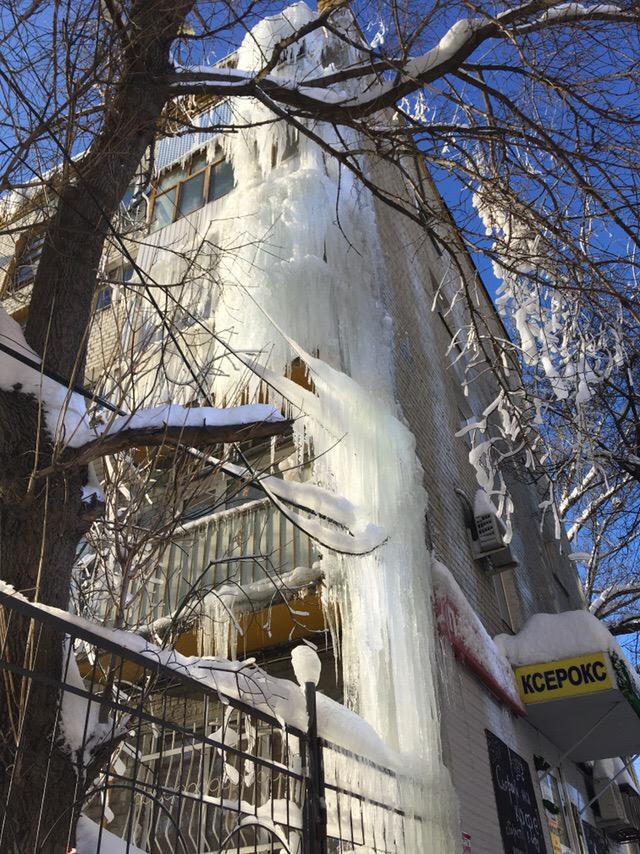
[587,705]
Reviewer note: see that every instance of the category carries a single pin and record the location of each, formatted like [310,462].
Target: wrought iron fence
[119,747]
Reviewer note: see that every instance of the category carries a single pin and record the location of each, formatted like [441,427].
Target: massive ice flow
[302,277]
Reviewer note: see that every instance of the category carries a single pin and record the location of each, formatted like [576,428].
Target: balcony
[238,547]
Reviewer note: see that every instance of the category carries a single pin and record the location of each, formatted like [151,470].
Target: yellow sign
[556,845]
[569,677]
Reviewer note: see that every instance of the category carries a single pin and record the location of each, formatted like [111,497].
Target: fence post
[315,803]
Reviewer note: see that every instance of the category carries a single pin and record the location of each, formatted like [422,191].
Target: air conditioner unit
[612,811]
[490,532]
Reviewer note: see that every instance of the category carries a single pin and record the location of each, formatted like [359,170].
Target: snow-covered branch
[592,508]
[326,97]
[624,627]
[614,597]
[67,419]
[175,425]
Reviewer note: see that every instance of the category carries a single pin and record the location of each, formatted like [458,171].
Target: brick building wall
[432,401]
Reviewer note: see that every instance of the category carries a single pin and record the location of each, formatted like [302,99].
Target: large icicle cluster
[297,275]
[302,280]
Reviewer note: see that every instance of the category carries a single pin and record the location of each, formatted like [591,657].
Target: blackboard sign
[516,801]
[596,840]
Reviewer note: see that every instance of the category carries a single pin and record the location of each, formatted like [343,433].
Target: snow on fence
[125,751]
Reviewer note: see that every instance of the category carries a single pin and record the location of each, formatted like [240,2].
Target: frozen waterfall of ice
[304,280]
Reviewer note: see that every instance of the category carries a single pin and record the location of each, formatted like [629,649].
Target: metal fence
[124,750]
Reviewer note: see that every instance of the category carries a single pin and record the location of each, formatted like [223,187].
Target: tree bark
[41,520]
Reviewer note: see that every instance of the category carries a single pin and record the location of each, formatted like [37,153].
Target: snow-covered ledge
[238,680]
[461,626]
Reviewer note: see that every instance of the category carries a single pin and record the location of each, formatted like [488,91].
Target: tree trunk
[41,520]
[38,540]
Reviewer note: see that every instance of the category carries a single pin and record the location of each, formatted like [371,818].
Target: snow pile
[271,815]
[472,633]
[546,637]
[80,728]
[306,664]
[88,834]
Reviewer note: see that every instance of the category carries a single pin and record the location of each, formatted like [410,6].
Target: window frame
[291,148]
[180,194]
[103,304]
[207,169]
[208,183]
[35,233]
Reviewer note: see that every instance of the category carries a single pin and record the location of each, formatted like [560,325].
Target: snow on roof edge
[473,634]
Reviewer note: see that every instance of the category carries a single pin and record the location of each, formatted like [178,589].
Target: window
[28,259]
[465,419]
[133,213]
[426,218]
[20,315]
[164,207]
[452,337]
[185,189]
[434,240]
[191,195]
[123,272]
[105,296]
[128,197]
[221,180]
[6,263]
[299,373]
[503,602]
[560,811]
